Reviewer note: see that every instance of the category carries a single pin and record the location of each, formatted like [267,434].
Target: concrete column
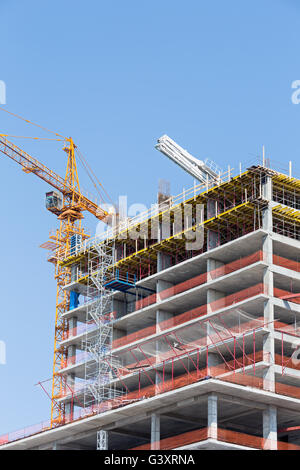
[212,239]
[163,261]
[212,208]
[71,377]
[119,306]
[267,247]
[155,431]
[212,416]
[213,295]
[118,333]
[102,440]
[72,324]
[161,316]
[268,280]
[267,188]
[270,427]
[162,285]
[267,192]
[161,346]
[69,390]
[71,351]
[74,272]
[213,360]
[212,265]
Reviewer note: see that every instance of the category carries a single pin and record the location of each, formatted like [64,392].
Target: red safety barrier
[181,381]
[293,330]
[287,295]
[191,315]
[200,280]
[89,326]
[285,361]
[286,263]
[223,435]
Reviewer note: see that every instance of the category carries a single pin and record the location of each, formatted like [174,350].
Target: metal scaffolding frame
[99,372]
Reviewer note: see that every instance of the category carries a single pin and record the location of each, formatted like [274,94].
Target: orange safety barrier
[177,441]
[240,361]
[200,280]
[181,381]
[150,330]
[226,334]
[285,361]
[145,302]
[196,375]
[287,295]
[77,330]
[287,329]
[86,327]
[76,359]
[249,440]
[188,349]
[191,315]
[286,263]
[223,435]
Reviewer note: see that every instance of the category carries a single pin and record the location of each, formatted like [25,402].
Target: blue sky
[216,76]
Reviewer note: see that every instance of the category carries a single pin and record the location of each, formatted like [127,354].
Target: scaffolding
[97,345]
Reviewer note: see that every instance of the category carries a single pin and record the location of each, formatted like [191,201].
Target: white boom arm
[200,170]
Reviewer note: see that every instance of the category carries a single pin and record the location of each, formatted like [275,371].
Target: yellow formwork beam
[292,215]
[239,212]
[145,226]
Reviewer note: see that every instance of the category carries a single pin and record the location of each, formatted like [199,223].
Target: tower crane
[67,203]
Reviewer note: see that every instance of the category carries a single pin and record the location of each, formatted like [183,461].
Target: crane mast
[67,204]
[70,224]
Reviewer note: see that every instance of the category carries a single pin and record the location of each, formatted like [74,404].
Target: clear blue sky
[216,76]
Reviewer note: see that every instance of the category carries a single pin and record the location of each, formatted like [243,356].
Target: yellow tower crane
[67,204]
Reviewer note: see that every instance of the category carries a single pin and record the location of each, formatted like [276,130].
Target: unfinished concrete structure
[173,348]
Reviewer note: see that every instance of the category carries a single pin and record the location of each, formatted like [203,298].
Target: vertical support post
[102,440]
[268,339]
[212,236]
[212,416]
[155,431]
[270,428]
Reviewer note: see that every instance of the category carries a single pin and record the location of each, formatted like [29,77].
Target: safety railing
[287,295]
[234,377]
[223,435]
[293,329]
[89,326]
[200,279]
[286,263]
[192,314]
[199,435]
[154,211]
[285,361]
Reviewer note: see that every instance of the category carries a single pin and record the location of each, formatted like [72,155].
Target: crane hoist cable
[29,137]
[84,162]
[96,183]
[33,123]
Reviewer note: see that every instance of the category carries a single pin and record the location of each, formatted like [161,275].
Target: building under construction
[181,329]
